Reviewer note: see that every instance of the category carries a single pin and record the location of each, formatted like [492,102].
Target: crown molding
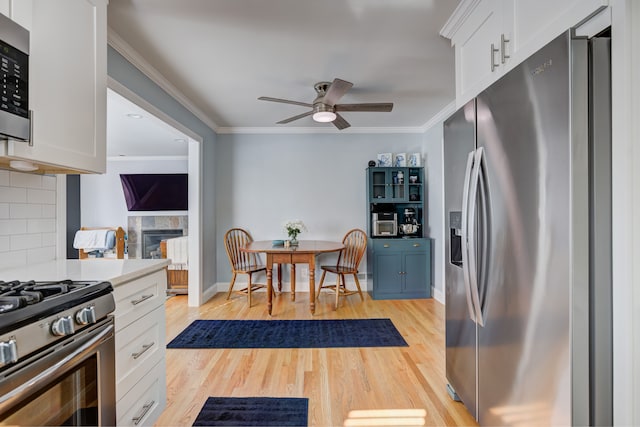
[305,130]
[131,55]
[440,117]
[458,17]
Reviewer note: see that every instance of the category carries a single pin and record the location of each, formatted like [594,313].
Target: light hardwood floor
[336,380]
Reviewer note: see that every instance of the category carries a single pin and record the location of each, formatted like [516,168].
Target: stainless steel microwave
[384,224]
[14,69]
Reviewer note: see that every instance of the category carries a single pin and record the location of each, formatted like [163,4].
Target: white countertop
[116,271]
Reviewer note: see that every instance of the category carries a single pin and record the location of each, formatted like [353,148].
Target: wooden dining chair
[242,262]
[355,245]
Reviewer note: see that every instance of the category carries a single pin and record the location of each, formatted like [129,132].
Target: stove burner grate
[15,294]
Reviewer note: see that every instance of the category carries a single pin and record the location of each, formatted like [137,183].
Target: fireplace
[151,241]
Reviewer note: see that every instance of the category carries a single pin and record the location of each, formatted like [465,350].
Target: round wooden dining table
[303,253]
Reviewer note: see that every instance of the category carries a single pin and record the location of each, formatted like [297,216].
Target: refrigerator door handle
[485,224]
[471,230]
[465,234]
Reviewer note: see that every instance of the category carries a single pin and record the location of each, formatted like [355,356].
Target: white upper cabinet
[490,37]
[67,84]
[481,45]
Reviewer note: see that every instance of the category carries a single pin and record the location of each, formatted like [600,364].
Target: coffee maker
[410,225]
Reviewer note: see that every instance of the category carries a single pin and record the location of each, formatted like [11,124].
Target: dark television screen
[156,192]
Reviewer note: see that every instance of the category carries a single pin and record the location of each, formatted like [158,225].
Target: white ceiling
[142,135]
[223,54]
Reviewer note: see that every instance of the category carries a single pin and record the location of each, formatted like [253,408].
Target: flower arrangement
[293,228]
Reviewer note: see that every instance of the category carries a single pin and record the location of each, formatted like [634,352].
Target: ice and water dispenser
[455,238]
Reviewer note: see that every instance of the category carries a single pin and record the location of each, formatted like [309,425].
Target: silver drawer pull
[416,245]
[145,347]
[386,246]
[142,298]
[144,411]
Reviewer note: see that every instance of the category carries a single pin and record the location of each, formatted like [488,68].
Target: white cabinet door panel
[67,85]
[473,48]
[537,23]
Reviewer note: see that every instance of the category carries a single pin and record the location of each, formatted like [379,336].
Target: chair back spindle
[355,244]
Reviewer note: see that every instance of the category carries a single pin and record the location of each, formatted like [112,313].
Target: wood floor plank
[336,380]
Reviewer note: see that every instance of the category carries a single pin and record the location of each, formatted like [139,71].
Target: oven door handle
[80,353]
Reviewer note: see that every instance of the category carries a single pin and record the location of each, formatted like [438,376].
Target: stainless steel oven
[59,368]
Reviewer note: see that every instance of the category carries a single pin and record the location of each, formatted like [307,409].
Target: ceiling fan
[325,107]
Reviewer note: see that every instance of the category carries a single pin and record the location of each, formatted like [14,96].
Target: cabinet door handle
[493,57]
[503,48]
[416,245]
[30,128]
[141,299]
[385,245]
[145,347]
[136,420]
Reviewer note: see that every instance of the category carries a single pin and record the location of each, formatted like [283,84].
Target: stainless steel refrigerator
[528,275]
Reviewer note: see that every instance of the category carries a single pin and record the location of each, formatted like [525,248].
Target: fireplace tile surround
[136,224]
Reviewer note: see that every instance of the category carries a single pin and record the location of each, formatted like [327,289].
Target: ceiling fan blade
[285,101]
[340,122]
[336,90]
[299,116]
[381,107]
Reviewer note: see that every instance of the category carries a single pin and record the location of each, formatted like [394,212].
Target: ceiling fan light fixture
[324,116]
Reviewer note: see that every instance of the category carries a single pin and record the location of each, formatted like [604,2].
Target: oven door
[71,383]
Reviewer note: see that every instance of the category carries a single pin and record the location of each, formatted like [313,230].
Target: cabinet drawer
[136,298]
[138,346]
[381,245]
[144,403]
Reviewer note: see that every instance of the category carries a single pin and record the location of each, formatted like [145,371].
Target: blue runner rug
[253,411]
[289,334]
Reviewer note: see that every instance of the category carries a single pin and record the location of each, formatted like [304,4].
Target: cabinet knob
[503,48]
[416,245]
[386,245]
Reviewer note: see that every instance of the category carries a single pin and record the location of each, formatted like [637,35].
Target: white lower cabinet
[146,400]
[140,350]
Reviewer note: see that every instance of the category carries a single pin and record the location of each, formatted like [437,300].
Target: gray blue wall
[121,70]
[263,180]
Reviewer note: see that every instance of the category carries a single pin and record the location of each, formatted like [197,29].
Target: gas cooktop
[27,302]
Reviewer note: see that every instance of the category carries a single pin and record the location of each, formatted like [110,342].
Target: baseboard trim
[438,295]
[210,292]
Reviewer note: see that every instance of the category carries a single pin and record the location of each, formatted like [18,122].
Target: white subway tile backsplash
[41,254]
[13,259]
[48,211]
[13,195]
[26,241]
[41,196]
[24,210]
[12,226]
[27,218]
[49,182]
[49,239]
[27,180]
[41,225]
[5,242]
[4,178]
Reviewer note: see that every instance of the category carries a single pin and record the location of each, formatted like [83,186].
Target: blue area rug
[289,334]
[253,411]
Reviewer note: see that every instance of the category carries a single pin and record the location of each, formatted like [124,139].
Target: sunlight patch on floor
[386,417]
